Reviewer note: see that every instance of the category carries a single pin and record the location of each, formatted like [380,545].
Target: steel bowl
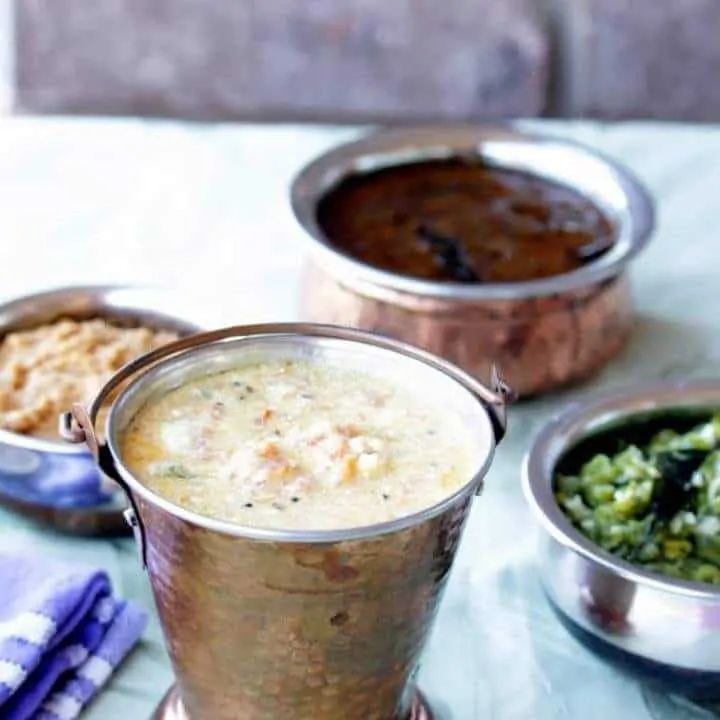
[50,481]
[665,629]
[543,334]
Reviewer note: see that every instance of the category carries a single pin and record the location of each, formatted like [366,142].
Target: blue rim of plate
[57,480]
[60,491]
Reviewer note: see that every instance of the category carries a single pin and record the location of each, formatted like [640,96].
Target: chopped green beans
[656,505]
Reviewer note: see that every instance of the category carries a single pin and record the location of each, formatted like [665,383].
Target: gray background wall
[359,60]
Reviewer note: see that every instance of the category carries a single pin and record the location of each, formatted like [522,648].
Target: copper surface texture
[266,630]
[263,625]
[540,344]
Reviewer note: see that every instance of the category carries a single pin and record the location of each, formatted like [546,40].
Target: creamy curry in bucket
[298,445]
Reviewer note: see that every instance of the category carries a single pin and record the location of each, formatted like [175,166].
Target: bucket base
[171,707]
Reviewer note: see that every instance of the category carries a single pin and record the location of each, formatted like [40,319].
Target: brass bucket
[310,625]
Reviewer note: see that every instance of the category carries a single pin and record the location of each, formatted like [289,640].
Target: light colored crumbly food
[297,445]
[43,371]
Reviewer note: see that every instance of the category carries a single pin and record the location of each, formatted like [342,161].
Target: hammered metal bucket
[310,625]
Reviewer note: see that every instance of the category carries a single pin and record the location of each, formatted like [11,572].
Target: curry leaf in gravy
[178,471]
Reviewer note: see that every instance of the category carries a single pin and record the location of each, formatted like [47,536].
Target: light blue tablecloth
[206,208]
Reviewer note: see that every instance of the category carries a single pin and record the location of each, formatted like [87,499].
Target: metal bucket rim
[253,332]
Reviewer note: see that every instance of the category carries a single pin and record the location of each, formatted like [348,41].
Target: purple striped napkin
[61,636]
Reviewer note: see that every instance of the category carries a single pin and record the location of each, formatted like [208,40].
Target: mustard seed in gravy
[297,445]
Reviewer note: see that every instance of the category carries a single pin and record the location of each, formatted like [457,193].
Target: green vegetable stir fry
[657,506]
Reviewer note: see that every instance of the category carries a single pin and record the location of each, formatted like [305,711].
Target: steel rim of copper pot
[79,426]
[549,443]
[398,146]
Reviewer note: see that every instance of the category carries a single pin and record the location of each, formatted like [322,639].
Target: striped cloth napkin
[61,636]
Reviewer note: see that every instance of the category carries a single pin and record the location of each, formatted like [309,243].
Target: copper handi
[541,343]
[545,333]
[312,625]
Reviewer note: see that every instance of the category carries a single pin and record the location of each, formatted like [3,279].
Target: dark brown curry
[463,221]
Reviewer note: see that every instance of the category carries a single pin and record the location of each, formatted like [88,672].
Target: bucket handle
[78,424]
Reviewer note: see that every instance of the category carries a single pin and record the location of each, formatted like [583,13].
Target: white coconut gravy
[297,445]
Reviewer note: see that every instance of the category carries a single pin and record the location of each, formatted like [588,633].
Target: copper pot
[268,624]
[544,334]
